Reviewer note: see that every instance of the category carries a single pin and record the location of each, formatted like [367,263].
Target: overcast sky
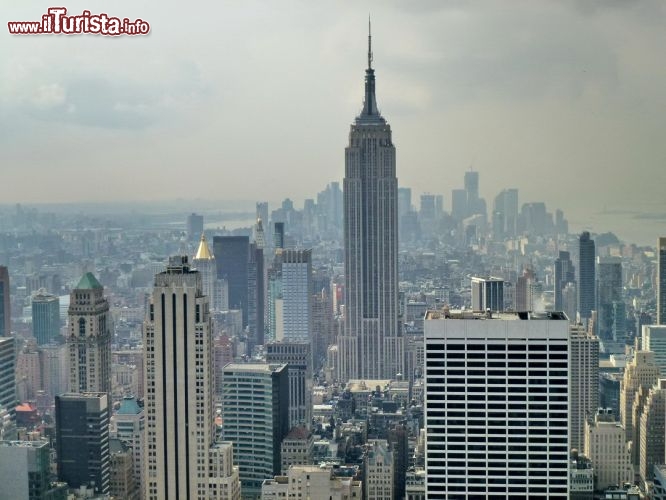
[253,100]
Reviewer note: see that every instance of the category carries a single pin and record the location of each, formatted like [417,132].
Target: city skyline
[552,98]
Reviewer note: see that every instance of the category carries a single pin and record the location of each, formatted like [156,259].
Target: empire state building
[372,344]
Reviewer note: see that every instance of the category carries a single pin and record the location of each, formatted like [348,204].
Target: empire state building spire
[370,111]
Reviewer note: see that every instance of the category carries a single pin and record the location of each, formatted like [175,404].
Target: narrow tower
[372,344]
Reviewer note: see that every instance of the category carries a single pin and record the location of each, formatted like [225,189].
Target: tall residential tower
[372,344]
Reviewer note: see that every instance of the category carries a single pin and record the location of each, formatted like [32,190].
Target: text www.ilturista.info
[57,22]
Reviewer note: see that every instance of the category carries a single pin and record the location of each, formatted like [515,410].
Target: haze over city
[562,100]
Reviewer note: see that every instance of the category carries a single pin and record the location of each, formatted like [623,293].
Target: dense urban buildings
[372,344]
[368,340]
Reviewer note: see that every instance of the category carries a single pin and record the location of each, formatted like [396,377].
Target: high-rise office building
[182,458]
[586,276]
[642,371]
[290,299]
[195,226]
[89,337]
[255,401]
[8,375]
[564,274]
[53,359]
[82,440]
[458,204]
[278,235]
[496,404]
[487,294]
[583,383]
[506,204]
[654,339]
[661,281]
[256,290]
[232,254]
[298,358]
[526,286]
[606,446]
[45,317]
[5,306]
[609,296]
[372,344]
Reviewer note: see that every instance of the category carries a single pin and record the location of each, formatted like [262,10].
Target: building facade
[496,404]
[487,294]
[606,447]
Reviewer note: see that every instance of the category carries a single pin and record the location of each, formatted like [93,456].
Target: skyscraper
[583,382]
[195,226]
[564,274]
[642,371]
[130,424]
[231,258]
[496,405]
[82,440]
[298,358]
[89,338]
[372,344]
[487,294]
[661,281]
[182,459]
[8,375]
[255,401]
[5,306]
[45,317]
[609,294]
[586,276]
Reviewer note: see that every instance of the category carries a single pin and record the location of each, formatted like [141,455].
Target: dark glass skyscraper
[372,344]
[586,276]
[564,273]
[82,440]
[5,309]
[232,257]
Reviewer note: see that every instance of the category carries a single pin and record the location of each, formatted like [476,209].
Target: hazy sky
[253,100]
